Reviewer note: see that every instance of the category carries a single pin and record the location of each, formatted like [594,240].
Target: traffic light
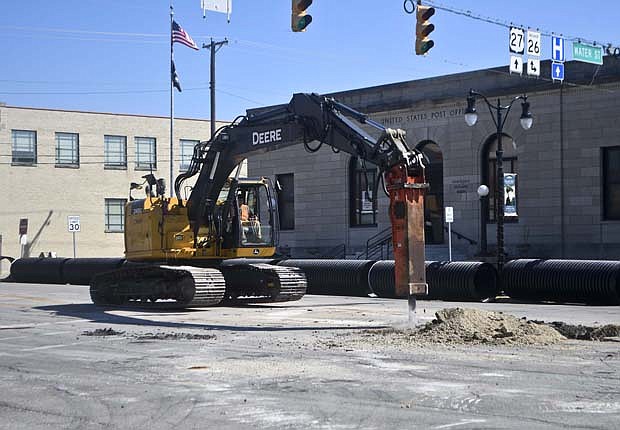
[423,28]
[299,17]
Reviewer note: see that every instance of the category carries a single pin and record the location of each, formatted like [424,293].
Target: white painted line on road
[25,326]
[38,348]
[34,335]
[460,423]
[15,327]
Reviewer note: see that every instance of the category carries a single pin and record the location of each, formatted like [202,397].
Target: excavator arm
[314,118]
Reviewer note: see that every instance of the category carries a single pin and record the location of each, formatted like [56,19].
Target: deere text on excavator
[177,249]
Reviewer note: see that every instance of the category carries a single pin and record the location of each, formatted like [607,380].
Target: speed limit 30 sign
[73,223]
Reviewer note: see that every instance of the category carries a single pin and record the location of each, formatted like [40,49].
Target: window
[433,198]
[362,205]
[187,151]
[24,146]
[115,151]
[67,150]
[489,174]
[611,183]
[285,189]
[115,215]
[145,153]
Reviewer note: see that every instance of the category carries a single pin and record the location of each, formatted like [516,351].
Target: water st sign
[588,53]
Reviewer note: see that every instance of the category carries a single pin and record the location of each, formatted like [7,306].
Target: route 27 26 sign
[516,42]
[73,223]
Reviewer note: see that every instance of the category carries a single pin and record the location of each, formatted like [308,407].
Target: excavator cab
[251,222]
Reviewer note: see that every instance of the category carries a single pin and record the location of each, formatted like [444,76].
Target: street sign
[557,71]
[449,214]
[23,226]
[516,43]
[449,221]
[557,49]
[516,64]
[73,223]
[533,43]
[588,53]
[533,67]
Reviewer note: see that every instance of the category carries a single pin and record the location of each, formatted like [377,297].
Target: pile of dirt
[469,326]
[149,336]
[583,332]
[459,325]
[174,336]
[103,332]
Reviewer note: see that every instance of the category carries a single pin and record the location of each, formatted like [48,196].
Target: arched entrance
[433,201]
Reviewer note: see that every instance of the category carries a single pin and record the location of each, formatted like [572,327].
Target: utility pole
[214,47]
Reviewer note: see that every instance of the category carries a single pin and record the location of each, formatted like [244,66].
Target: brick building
[57,163]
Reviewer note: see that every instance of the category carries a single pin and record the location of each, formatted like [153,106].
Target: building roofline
[102,113]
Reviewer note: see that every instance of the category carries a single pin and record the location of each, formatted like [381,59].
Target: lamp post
[499,113]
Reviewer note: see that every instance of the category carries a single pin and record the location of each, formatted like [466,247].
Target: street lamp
[499,118]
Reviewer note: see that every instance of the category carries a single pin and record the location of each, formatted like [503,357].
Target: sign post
[449,221]
[73,226]
[23,238]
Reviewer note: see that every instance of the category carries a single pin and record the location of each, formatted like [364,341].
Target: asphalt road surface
[65,363]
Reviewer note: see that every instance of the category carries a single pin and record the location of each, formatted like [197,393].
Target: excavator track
[263,283]
[158,287]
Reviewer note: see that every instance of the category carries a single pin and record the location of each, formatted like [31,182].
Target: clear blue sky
[113,55]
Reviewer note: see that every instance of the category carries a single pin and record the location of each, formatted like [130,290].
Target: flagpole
[170,185]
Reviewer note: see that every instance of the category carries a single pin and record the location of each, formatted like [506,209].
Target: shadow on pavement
[100,315]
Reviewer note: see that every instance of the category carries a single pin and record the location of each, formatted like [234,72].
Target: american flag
[179,35]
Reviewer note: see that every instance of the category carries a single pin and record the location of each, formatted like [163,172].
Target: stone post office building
[567,167]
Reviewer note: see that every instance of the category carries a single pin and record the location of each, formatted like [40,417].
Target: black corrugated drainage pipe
[79,271]
[577,281]
[38,270]
[457,281]
[334,277]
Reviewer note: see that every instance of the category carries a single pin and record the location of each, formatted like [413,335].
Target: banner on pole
[510,194]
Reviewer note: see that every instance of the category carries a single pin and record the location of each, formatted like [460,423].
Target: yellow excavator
[196,252]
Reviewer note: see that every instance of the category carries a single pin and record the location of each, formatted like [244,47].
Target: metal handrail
[461,236]
[381,243]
